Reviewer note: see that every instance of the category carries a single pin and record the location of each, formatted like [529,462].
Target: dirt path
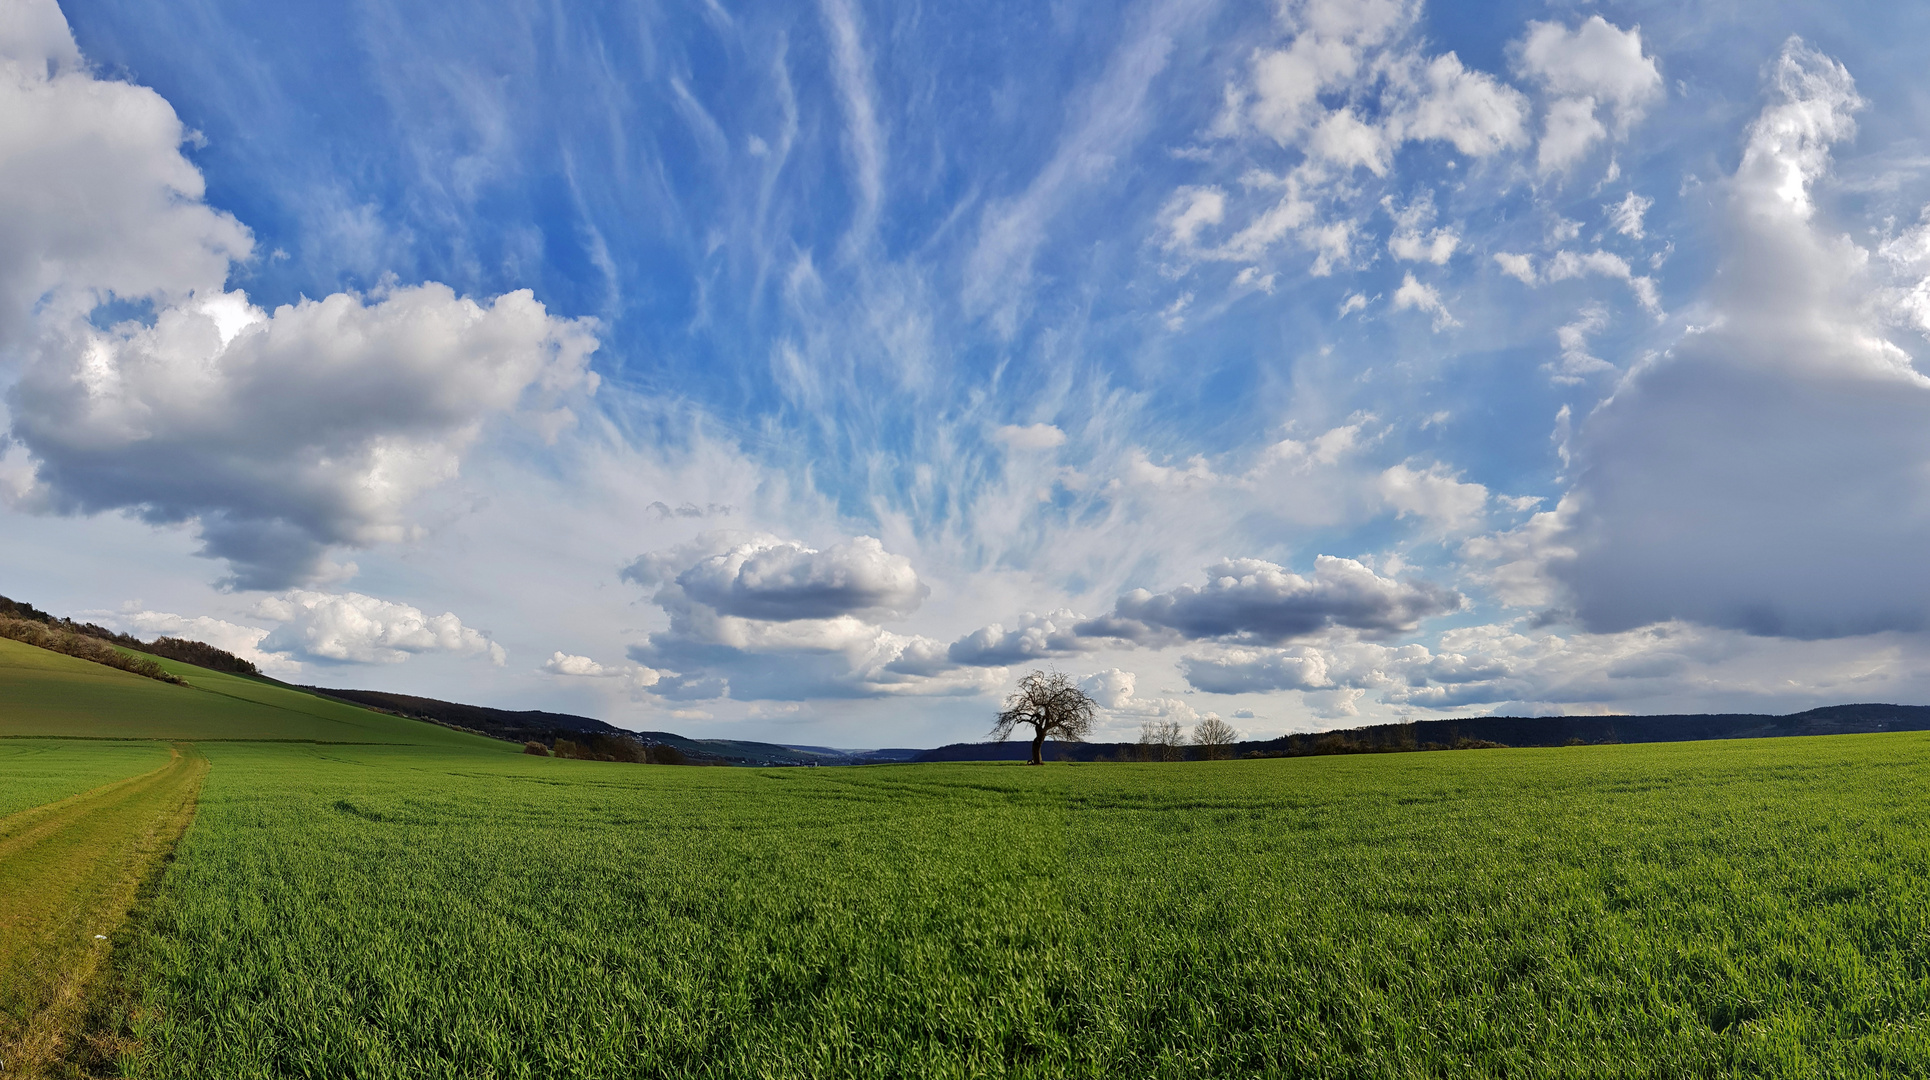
[69,872]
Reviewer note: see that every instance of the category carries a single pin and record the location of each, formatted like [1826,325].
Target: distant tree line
[610,748]
[88,641]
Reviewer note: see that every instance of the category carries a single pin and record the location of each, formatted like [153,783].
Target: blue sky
[809,372]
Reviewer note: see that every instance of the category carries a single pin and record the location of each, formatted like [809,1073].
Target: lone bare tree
[1052,705]
[1214,737]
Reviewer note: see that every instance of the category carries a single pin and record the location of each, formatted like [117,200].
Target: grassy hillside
[1706,909]
[47,694]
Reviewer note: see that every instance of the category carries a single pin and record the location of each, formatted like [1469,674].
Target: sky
[809,372]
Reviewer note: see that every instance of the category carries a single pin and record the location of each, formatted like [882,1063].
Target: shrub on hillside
[536,748]
[661,754]
[55,638]
[200,654]
[616,748]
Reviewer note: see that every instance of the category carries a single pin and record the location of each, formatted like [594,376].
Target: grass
[40,771]
[46,694]
[1715,909]
[72,869]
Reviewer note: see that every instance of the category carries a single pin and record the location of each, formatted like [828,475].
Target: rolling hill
[47,694]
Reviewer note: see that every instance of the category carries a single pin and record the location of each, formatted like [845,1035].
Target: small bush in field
[536,748]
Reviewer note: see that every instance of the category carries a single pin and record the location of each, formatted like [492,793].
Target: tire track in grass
[69,872]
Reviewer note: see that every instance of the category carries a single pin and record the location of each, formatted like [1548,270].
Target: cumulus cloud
[1592,71]
[1030,436]
[1419,297]
[634,679]
[278,435]
[96,200]
[755,617]
[1769,473]
[1470,109]
[1349,87]
[562,663]
[1254,600]
[1034,637]
[1412,239]
[1246,671]
[281,435]
[1435,493]
[1519,267]
[1111,688]
[786,581]
[358,629]
[1117,692]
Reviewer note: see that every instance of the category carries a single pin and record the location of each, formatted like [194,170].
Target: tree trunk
[1038,743]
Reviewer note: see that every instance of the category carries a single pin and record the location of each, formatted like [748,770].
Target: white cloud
[1190,210]
[1030,436]
[1348,89]
[1769,473]
[1117,692]
[1251,599]
[1567,264]
[634,679]
[1243,671]
[358,629]
[282,435]
[864,136]
[1590,70]
[1250,277]
[1576,361]
[1626,216]
[96,199]
[1346,140]
[1175,314]
[562,663]
[1412,240]
[1111,688]
[278,436]
[1433,493]
[1469,109]
[1033,638]
[1519,267]
[1413,294]
[754,617]
[786,581]
[1568,131]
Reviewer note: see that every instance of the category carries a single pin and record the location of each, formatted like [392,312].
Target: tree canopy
[1053,705]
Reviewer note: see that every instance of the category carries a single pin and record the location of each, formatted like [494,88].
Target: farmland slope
[46,694]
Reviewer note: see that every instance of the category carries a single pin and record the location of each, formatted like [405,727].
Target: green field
[38,771]
[460,910]
[44,693]
[1705,909]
